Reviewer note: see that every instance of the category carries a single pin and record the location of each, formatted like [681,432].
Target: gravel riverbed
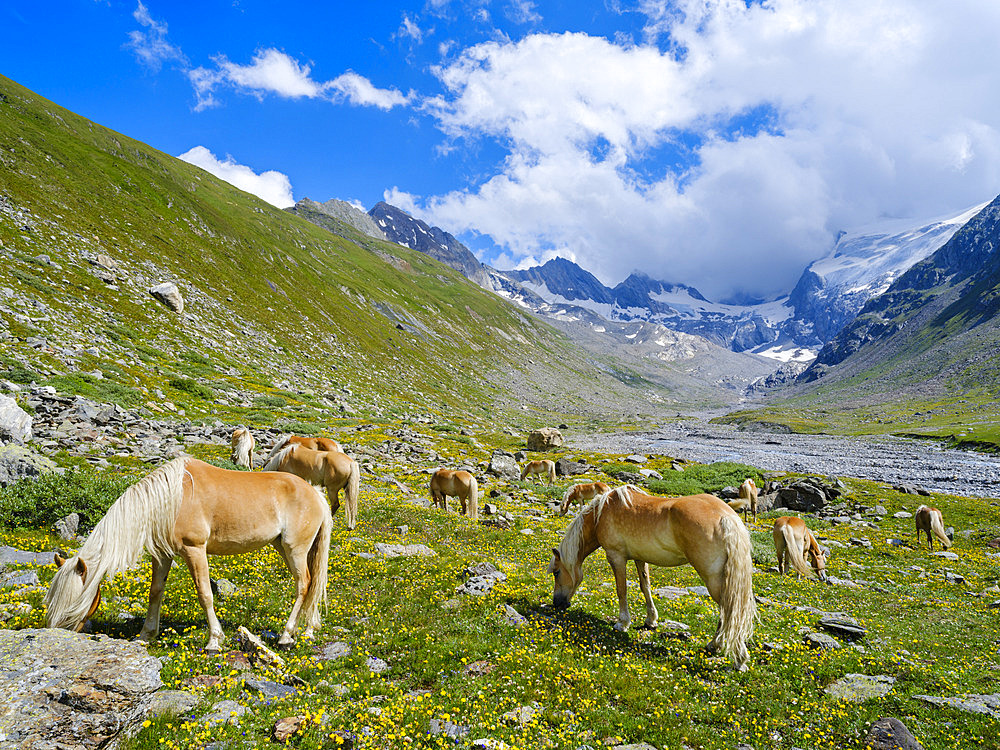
[883,459]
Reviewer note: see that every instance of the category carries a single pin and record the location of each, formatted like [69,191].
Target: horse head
[567,579]
[819,563]
[67,589]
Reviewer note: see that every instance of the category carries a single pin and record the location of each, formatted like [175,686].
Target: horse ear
[555,551]
[59,560]
[81,567]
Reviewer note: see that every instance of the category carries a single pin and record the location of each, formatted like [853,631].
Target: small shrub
[20,374]
[102,390]
[40,502]
[193,387]
[444,428]
[297,427]
[697,478]
[268,401]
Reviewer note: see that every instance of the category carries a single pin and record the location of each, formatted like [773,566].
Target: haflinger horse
[193,509]
[243,445]
[313,443]
[748,492]
[539,467]
[581,492]
[930,520]
[460,484]
[698,529]
[792,541]
[332,470]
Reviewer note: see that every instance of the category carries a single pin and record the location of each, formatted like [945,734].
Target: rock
[223,588]
[254,647]
[404,550]
[19,578]
[902,514]
[480,579]
[635,458]
[821,641]
[67,527]
[670,592]
[651,474]
[15,422]
[568,468]
[890,734]
[634,746]
[544,439]
[512,616]
[169,295]
[479,668]
[284,728]
[946,554]
[856,688]
[10,555]
[842,626]
[172,703]
[698,590]
[521,716]
[268,689]
[224,712]
[909,489]
[18,462]
[377,665]
[334,651]
[502,465]
[975,704]
[69,690]
[447,728]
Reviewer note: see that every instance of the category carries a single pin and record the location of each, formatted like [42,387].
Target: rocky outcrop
[169,295]
[67,690]
[544,439]
[15,422]
[18,462]
[333,214]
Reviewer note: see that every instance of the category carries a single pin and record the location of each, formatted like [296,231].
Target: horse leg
[197,562]
[652,615]
[714,585]
[334,496]
[618,563]
[159,581]
[298,565]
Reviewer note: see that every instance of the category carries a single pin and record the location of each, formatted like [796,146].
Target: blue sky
[717,143]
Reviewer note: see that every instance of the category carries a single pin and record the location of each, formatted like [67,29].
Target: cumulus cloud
[274,72]
[737,137]
[273,187]
[150,44]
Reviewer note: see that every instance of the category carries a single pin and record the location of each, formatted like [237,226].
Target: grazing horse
[579,492]
[243,445]
[332,470]
[314,443]
[792,540]
[930,520]
[699,529]
[748,492]
[460,484]
[193,509]
[541,466]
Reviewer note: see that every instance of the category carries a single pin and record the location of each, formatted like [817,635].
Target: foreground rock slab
[891,734]
[73,691]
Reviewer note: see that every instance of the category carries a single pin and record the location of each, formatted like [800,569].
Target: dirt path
[883,459]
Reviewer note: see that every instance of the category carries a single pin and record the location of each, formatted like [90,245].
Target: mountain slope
[332,213]
[277,310]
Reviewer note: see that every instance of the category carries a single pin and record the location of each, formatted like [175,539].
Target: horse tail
[318,562]
[737,608]
[282,442]
[795,555]
[472,502]
[351,493]
[552,471]
[564,505]
[277,457]
[937,526]
[142,519]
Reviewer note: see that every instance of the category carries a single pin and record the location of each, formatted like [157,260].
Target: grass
[588,683]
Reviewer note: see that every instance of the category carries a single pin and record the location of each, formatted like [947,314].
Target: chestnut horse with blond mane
[580,492]
[193,509]
[539,467]
[243,445]
[793,541]
[698,529]
[931,520]
[313,443]
[460,484]
[332,470]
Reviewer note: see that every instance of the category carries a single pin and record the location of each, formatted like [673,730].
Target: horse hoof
[620,627]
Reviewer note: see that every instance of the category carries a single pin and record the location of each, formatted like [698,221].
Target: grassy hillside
[282,318]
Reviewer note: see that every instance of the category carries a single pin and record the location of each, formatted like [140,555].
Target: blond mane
[569,547]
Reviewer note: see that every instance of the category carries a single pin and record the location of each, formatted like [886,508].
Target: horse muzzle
[560,602]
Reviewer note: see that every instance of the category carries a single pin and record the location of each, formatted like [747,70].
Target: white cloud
[273,187]
[150,46]
[274,72]
[522,11]
[874,109]
[409,29]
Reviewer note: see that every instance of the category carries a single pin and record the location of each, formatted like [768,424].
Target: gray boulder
[64,689]
[67,527]
[502,465]
[169,295]
[856,688]
[18,462]
[544,439]
[566,467]
[891,734]
[15,422]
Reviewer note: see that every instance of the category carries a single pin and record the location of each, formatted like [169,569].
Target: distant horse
[580,492]
[243,445]
[541,466]
[930,520]
[792,541]
[699,529]
[313,443]
[332,470]
[748,492]
[193,509]
[460,484]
